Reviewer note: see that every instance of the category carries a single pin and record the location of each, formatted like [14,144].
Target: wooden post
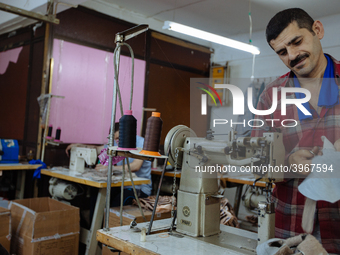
[48,46]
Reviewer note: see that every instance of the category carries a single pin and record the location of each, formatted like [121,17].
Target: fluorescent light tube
[210,37]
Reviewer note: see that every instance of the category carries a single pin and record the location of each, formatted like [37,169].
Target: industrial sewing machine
[198,201]
[63,190]
[80,155]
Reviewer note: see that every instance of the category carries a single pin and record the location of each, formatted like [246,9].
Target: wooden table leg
[21,177]
[97,221]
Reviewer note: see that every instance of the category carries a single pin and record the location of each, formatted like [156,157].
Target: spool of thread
[127,131]
[57,135]
[49,133]
[153,135]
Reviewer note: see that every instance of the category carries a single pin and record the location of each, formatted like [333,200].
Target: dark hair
[282,19]
[116,127]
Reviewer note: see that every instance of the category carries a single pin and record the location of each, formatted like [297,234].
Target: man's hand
[101,168]
[303,157]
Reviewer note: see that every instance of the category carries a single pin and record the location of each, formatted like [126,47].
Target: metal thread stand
[119,40]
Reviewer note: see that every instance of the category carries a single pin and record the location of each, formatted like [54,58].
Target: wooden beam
[28,14]
[180,42]
[48,46]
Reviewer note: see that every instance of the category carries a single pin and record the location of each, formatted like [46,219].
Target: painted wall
[14,66]
[85,76]
[8,56]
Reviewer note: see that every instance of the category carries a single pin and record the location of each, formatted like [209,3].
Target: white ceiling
[223,17]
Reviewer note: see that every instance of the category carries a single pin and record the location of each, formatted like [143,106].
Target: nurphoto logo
[238,104]
[204,97]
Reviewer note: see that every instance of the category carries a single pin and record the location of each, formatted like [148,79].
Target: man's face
[299,49]
[116,136]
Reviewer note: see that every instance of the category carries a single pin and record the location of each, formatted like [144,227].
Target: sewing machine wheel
[176,138]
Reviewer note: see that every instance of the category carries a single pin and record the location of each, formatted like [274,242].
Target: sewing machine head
[80,155]
[260,156]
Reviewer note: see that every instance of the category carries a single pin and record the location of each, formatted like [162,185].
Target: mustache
[298,59]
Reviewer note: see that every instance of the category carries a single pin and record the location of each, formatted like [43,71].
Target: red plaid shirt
[306,135]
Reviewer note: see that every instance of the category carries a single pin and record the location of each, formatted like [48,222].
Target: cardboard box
[5,228]
[43,226]
[130,212]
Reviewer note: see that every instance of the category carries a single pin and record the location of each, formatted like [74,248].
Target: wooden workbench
[18,166]
[158,171]
[78,178]
[231,241]
[88,237]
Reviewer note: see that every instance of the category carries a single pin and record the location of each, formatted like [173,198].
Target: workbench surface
[231,241]
[78,178]
[18,166]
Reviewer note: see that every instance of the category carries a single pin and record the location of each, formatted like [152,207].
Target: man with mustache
[295,37]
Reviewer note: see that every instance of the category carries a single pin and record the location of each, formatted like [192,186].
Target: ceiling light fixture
[210,37]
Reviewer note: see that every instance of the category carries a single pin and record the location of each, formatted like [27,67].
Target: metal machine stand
[266,217]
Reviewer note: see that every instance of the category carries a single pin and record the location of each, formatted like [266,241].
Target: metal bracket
[130,33]
[28,14]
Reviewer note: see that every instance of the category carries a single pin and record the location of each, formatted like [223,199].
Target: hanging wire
[169,62]
[250,23]
[250,41]
[132,71]
[175,8]
[116,69]
[174,13]
[117,73]
[253,68]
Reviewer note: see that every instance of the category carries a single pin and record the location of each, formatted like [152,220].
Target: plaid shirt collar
[287,79]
